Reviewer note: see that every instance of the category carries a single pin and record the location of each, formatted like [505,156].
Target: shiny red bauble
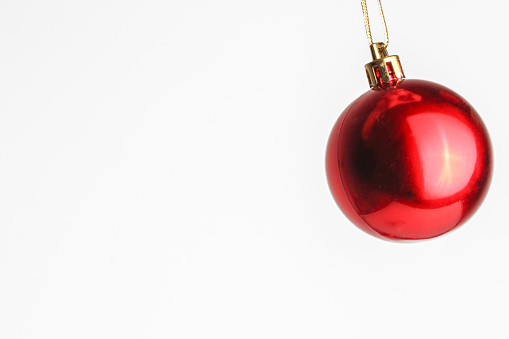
[412,161]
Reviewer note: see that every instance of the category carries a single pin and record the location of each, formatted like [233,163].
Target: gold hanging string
[366,23]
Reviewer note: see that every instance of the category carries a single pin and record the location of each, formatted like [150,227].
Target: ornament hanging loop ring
[368,28]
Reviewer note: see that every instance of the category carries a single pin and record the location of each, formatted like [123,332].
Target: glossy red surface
[409,162]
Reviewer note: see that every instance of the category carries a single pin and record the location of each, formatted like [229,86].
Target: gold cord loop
[368,28]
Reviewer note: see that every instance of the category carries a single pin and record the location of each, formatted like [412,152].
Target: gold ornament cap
[385,70]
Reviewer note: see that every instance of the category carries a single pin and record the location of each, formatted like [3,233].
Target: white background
[162,172]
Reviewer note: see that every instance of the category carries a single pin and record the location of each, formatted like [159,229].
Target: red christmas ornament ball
[411,161]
